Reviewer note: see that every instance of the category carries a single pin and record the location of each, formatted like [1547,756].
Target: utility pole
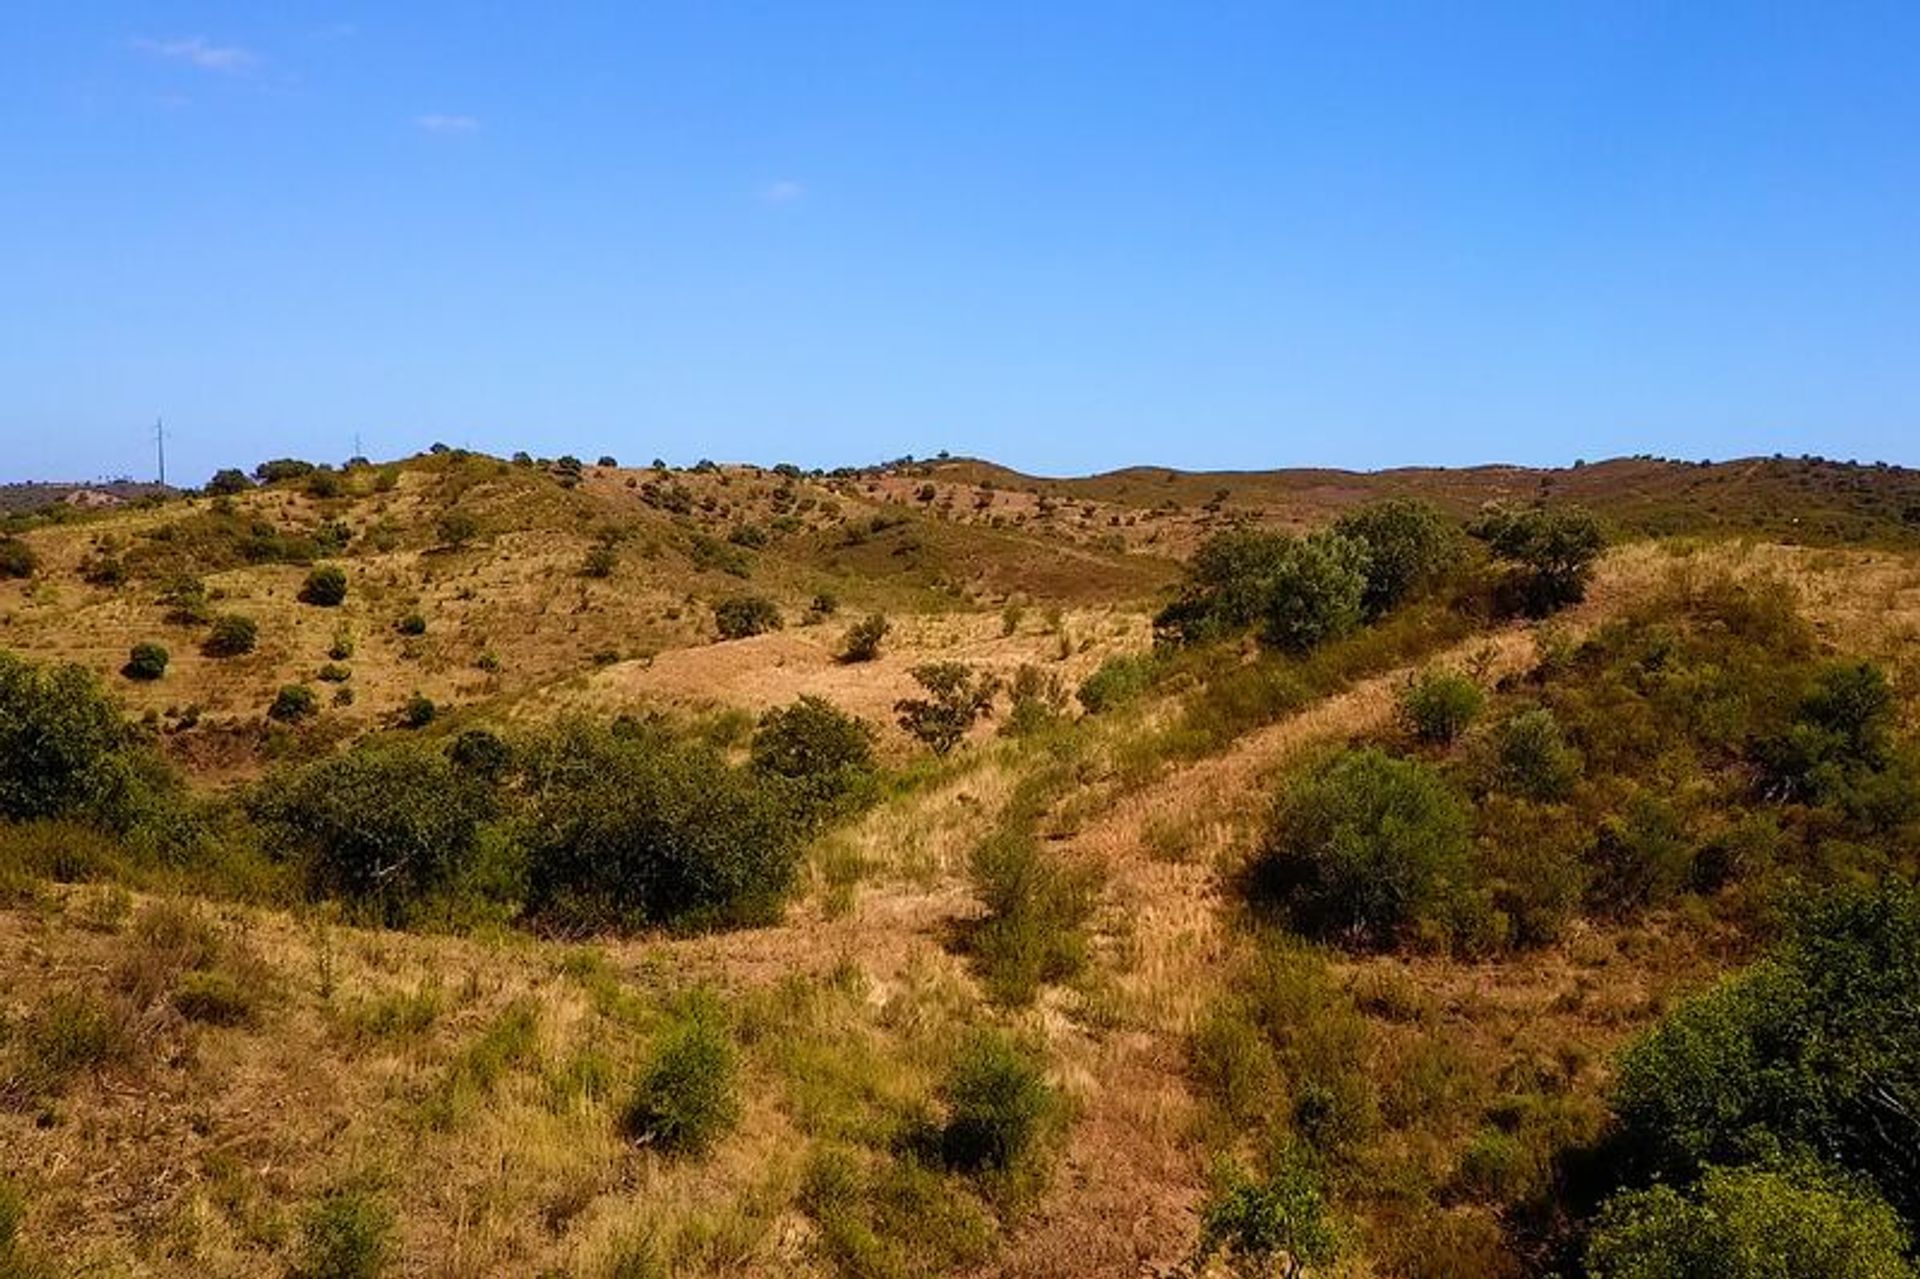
[160,448]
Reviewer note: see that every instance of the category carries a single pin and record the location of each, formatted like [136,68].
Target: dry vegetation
[1015,1009]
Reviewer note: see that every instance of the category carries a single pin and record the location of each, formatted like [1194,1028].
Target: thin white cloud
[198,51]
[785,191]
[439,123]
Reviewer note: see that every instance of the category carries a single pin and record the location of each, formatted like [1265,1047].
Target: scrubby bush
[1532,758]
[1552,550]
[325,587]
[1750,1224]
[187,602]
[61,742]
[232,635]
[957,696]
[16,558]
[1316,592]
[1038,701]
[1409,545]
[146,661]
[1119,680]
[293,703]
[1363,848]
[228,482]
[601,561]
[383,826]
[1439,705]
[744,615]
[1226,586]
[413,624]
[1278,1224]
[1815,1051]
[71,1032]
[824,752]
[633,828]
[455,528]
[481,752]
[998,1103]
[284,468]
[688,1094]
[347,1234]
[418,711]
[862,643]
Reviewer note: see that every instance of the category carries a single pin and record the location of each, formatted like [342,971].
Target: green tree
[957,696]
[60,741]
[1409,546]
[1750,1223]
[824,752]
[1552,549]
[228,482]
[1363,847]
[1316,592]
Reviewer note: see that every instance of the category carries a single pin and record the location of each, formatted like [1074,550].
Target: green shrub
[1363,848]
[1439,705]
[1278,1224]
[17,558]
[280,469]
[325,587]
[1315,593]
[998,1103]
[418,711]
[688,1095]
[61,742]
[228,482]
[826,753]
[412,624]
[187,602]
[293,703]
[862,643]
[455,528]
[481,752]
[600,562]
[1409,546]
[1815,1050]
[384,825]
[1532,758]
[1119,680]
[232,635]
[1643,856]
[1750,1224]
[1037,905]
[957,696]
[346,1234]
[1552,549]
[1226,587]
[146,661]
[745,615]
[633,828]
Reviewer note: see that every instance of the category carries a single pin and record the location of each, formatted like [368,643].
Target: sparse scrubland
[475,867]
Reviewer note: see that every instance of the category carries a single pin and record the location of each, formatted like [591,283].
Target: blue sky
[1067,236]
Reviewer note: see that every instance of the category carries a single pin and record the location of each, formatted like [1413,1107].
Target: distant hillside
[32,496]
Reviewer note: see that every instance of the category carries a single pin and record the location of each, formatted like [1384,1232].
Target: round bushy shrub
[633,828]
[1439,705]
[147,661]
[1363,848]
[745,615]
[997,1100]
[232,635]
[59,740]
[411,624]
[1409,544]
[325,587]
[293,703]
[385,825]
[1532,758]
[825,752]
[1316,592]
[688,1096]
[16,558]
[419,711]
